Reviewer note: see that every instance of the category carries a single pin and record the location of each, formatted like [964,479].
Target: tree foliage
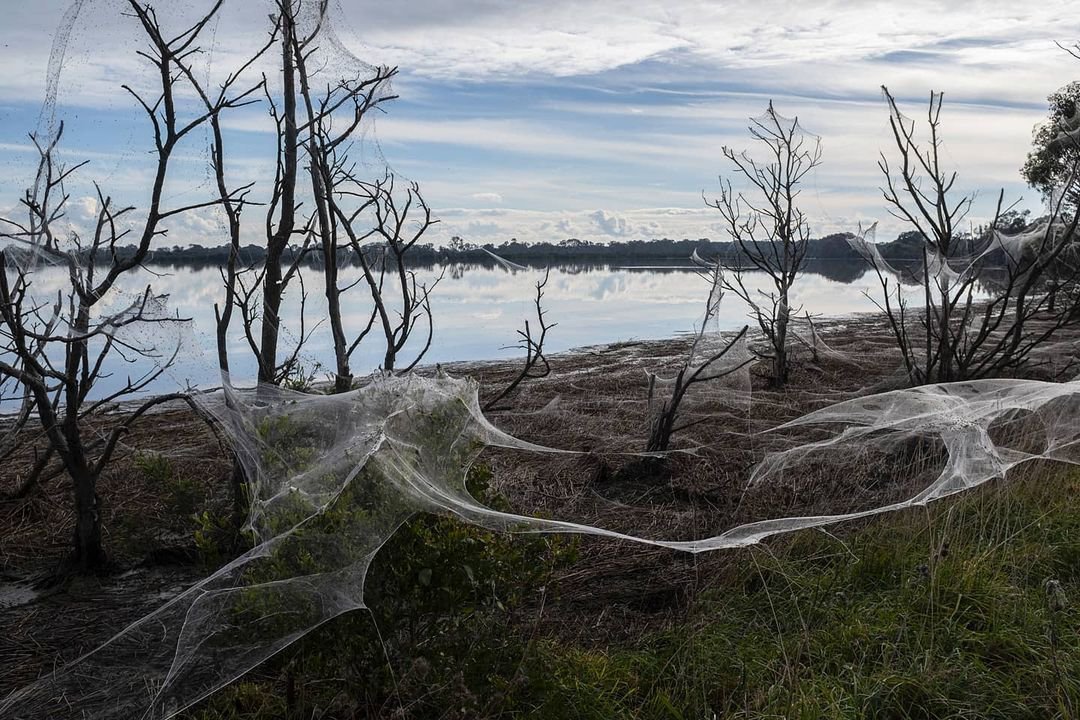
[1052,160]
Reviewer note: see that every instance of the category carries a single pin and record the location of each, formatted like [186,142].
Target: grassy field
[967,609]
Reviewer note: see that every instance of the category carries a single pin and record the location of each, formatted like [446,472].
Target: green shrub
[301,378]
[443,596]
[215,538]
[183,494]
[155,468]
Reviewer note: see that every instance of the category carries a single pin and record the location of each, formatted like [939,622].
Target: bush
[155,468]
[183,494]
[443,597]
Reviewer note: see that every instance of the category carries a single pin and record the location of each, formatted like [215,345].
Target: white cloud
[85,208]
[596,226]
[652,102]
[610,224]
[834,46]
[563,38]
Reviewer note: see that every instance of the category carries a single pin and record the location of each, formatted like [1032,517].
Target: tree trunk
[88,554]
[271,316]
[660,437]
[342,383]
[279,241]
[946,342]
[780,367]
[322,188]
[780,360]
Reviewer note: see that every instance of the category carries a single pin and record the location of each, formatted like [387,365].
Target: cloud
[564,39]
[85,208]
[480,229]
[553,226]
[550,111]
[739,42]
[610,224]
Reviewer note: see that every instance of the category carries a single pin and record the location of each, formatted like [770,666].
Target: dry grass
[169,453]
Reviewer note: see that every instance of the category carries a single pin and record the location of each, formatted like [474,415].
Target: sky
[602,120]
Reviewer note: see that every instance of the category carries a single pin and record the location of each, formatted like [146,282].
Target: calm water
[478,311]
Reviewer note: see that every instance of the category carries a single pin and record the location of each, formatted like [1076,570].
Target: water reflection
[479,308]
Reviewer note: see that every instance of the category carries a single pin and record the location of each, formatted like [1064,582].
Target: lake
[479,309]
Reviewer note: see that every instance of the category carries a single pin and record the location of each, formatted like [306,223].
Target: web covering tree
[767,225]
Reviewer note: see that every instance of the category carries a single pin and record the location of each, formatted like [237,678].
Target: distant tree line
[907,246]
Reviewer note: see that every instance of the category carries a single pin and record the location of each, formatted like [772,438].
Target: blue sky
[602,120]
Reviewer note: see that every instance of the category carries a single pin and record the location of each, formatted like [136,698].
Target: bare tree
[701,365]
[1031,277]
[59,348]
[283,203]
[768,226]
[332,117]
[319,117]
[395,222]
[258,291]
[536,364]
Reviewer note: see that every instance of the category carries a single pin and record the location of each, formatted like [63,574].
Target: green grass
[967,609]
[939,613]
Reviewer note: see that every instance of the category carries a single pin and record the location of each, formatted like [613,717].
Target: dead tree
[332,117]
[769,229]
[318,117]
[257,291]
[1036,281]
[701,365]
[59,348]
[536,364]
[283,204]
[394,222]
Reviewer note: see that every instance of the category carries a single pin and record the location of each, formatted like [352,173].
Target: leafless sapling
[536,364]
[701,365]
[1030,277]
[767,225]
[332,117]
[394,221]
